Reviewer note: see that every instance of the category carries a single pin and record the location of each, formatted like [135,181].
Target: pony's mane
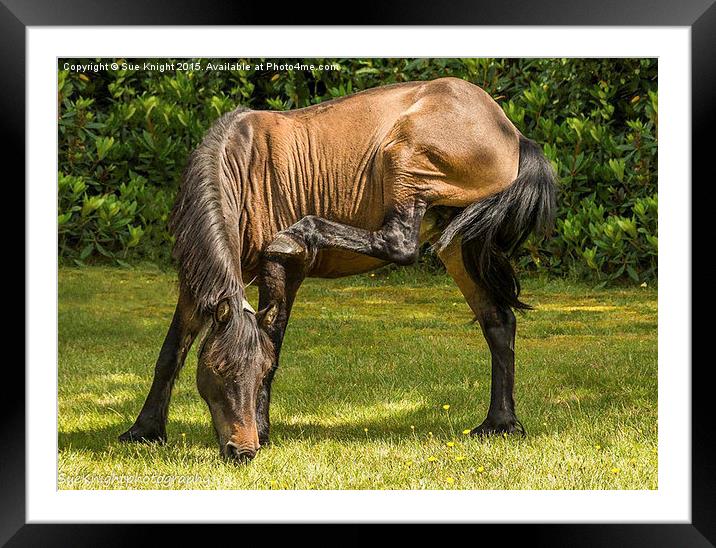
[207,255]
[205,223]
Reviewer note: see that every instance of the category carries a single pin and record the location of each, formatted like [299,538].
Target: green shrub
[125,135]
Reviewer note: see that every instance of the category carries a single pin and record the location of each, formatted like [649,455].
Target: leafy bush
[125,135]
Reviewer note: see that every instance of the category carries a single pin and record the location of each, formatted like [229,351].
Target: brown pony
[336,189]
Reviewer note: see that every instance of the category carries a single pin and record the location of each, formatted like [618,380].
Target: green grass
[367,365]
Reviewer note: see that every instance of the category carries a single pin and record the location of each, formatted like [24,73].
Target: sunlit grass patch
[379,386]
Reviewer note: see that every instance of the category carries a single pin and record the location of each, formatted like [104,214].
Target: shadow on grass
[118,417]
[99,439]
[390,426]
[356,432]
[199,435]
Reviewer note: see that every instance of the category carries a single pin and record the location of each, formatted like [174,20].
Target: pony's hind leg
[396,241]
[498,325]
[152,420]
[280,279]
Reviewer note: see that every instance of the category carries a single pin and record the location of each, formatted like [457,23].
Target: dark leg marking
[499,326]
[281,276]
[152,420]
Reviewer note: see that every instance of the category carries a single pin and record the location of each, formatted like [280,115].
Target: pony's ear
[266,316]
[223,311]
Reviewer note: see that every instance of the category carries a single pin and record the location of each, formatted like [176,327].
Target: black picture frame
[699,15]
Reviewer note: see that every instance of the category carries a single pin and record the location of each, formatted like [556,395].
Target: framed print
[193,178]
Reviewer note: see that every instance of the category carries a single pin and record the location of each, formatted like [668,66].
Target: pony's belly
[334,263]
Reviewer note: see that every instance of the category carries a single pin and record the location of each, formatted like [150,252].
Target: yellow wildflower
[432,459]
[466,431]
[446,406]
[451,444]
[480,469]
[450,480]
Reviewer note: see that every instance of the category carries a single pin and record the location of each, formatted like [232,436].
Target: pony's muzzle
[238,454]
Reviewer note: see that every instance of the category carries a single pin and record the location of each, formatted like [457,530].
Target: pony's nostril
[238,454]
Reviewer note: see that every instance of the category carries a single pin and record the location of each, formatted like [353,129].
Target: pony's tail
[494,228]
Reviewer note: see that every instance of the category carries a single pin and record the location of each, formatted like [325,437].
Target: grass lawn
[367,367]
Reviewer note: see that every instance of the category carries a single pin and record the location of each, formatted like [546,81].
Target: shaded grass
[367,365]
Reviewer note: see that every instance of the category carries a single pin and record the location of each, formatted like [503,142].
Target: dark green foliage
[125,135]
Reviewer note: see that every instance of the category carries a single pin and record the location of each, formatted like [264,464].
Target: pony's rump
[492,229]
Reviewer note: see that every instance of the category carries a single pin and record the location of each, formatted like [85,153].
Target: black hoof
[137,434]
[490,427]
[284,245]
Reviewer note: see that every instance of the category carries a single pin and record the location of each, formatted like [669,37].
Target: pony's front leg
[152,420]
[280,279]
[396,241]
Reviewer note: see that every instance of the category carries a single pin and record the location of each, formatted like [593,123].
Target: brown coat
[351,159]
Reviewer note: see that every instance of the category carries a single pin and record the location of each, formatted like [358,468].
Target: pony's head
[234,358]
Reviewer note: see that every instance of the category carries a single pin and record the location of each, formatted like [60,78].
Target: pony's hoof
[138,434]
[284,245]
[498,428]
